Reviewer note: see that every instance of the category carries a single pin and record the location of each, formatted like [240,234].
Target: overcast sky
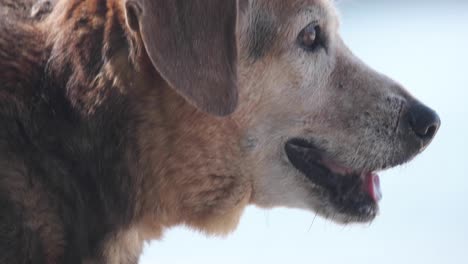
[424,213]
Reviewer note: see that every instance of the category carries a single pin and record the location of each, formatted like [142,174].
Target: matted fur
[98,153]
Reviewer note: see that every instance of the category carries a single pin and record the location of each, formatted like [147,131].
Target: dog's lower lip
[350,191]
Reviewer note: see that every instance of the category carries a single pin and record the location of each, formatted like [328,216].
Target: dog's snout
[423,121]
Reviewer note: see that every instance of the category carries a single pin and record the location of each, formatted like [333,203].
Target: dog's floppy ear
[192,44]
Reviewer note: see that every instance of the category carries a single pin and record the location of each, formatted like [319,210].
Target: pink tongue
[372,181]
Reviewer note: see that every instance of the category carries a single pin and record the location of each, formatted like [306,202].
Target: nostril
[430,132]
[423,121]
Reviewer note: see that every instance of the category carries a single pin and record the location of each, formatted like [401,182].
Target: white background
[424,213]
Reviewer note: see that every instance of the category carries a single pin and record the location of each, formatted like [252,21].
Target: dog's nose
[423,121]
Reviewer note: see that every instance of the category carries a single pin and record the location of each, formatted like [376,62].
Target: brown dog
[121,118]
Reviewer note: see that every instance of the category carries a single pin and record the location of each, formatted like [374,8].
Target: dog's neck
[95,59]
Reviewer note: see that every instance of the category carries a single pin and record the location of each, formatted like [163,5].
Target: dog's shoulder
[65,130]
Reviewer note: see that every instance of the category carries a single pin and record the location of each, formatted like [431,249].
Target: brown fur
[213,197]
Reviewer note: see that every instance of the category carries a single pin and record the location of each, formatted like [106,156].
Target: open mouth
[351,192]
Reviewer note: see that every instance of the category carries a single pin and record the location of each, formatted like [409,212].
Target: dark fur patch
[262,33]
[72,161]
[18,243]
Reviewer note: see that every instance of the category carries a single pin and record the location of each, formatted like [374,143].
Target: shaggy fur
[104,145]
[73,149]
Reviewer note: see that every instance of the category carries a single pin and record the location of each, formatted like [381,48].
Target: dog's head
[322,124]
[316,123]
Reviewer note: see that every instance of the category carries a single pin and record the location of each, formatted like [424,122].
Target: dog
[122,118]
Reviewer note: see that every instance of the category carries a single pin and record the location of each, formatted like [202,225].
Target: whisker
[311,224]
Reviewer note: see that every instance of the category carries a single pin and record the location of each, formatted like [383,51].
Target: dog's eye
[309,38]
